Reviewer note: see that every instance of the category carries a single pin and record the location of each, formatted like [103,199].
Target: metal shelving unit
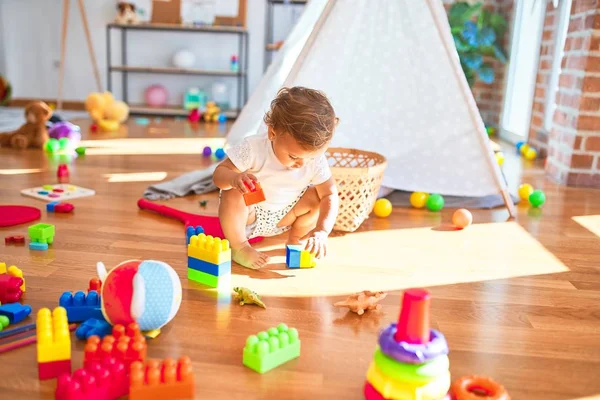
[125,69]
[269,25]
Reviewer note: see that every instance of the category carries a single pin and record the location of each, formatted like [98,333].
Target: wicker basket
[358,176]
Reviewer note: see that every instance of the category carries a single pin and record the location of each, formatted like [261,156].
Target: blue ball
[519,144]
[220,154]
[222,118]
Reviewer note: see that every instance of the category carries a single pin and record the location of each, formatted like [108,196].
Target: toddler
[289,163]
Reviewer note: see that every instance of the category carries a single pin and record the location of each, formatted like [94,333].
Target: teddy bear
[32,133]
[126,13]
[107,113]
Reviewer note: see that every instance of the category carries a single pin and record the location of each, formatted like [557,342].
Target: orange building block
[125,344]
[255,196]
[156,380]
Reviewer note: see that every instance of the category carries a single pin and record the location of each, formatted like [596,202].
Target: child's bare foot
[249,258]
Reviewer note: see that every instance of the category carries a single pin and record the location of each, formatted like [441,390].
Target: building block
[41,233]
[108,379]
[95,284]
[413,322]
[208,279]
[10,288]
[53,369]
[53,335]
[93,327]
[192,231]
[297,257]
[38,246]
[209,249]
[4,322]
[270,349]
[209,268]
[64,208]
[81,307]
[50,206]
[15,239]
[125,344]
[15,312]
[254,196]
[167,379]
[13,271]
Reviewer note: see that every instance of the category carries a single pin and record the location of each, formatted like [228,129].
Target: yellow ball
[383,208]
[499,158]
[524,148]
[418,199]
[524,191]
[530,154]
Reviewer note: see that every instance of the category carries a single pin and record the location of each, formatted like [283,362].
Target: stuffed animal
[105,111]
[32,133]
[126,13]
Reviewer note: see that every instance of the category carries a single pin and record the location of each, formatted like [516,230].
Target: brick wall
[574,141]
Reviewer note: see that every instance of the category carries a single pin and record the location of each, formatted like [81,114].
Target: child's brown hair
[304,113]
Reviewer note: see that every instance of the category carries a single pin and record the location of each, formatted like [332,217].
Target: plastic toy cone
[413,323]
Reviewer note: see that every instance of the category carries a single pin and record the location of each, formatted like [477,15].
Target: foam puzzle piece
[15,312]
[297,257]
[53,335]
[125,344]
[13,270]
[81,307]
[192,231]
[93,327]
[108,379]
[270,349]
[69,192]
[209,268]
[53,369]
[210,249]
[10,288]
[42,233]
[157,380]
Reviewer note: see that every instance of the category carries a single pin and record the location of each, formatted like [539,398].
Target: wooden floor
[517,301]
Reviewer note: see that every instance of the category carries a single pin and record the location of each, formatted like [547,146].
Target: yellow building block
[307,260]
[393,389]
[13,271]
[53,335]
[209,249]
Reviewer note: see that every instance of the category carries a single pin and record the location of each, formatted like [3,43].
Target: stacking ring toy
[478,388]
[410,353]
[392,389]
[417,374]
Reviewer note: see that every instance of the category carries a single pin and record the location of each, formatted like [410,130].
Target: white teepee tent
[393,76]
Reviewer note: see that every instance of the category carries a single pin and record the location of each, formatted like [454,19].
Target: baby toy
[147,292]
[363,301]
[5,91]
[418,199]
[32,133]
[462,218]
[212,112]
[435,202]
[247,296]
[107,113]
[126,13]
[156,95]
[65,129]
[499,157]
[474,387]
[537,198]
[383,208]
[194,116]
[525,191]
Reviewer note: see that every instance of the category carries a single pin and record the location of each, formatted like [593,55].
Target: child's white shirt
[281,185]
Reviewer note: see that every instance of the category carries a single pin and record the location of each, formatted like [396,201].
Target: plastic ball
[222,118]
[519,145]
[537,198]
[63,143]
[462,218]
[52,146]
[220,154]
[525,191]
[524,148]
[499,158]
[156,95]
[184,59]
[80,151]
[531,154]
[383,208]
[207,151]
[418,199]
[435,202]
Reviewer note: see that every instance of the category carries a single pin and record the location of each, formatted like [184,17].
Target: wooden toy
[270,349]
[247,296]
[53,343]
[363,301]
[58,192]
[15,215]
[167,379]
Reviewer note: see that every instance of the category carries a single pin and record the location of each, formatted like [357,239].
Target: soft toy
[126,13]
[105,111]
[212,112]
[32,133]
[5,91]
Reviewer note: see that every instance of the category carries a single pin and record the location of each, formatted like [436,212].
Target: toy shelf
[269,25]
[124,69]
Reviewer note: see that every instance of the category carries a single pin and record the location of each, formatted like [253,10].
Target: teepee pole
[88,38]
[473,111]
[309,42]
[63,48]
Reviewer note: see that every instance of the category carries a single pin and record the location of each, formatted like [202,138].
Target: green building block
[208,279]
[270,349]
[41,233]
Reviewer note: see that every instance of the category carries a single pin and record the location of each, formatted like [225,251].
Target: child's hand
[242,179]
[317,243]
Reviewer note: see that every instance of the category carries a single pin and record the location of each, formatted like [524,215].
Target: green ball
[80,151]
[537,198]
[435,202]
[63,143]
[52,146]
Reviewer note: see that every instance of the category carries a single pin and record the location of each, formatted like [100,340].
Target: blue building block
[292,256]
[50,206]
[38,246]
[192,231]
[15,312]
[81,307]
[209,268]
[93,326]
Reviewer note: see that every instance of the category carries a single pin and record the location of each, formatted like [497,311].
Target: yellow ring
[391,389]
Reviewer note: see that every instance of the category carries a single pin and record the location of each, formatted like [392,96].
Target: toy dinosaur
[363,301]
[247,296]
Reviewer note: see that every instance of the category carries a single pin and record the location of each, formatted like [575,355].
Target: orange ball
[462,218]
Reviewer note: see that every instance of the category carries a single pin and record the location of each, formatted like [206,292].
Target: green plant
[475,31]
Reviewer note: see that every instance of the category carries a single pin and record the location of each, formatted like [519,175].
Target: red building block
[156,380]
[413,323]
[53,369]
[254,196]
[95,284]
[62,173]
[18,239]
[10,288]
[125,344]
[64,208]
[108,379]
